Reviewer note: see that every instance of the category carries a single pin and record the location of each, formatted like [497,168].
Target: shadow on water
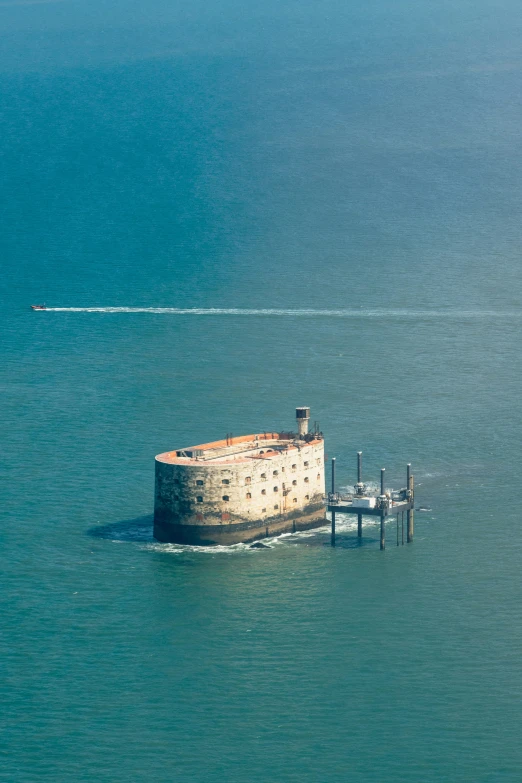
[322,538]
[352,542]
[138,529]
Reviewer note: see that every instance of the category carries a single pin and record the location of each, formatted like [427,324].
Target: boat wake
[296,313]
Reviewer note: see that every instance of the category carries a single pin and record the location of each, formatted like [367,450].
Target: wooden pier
[366,502]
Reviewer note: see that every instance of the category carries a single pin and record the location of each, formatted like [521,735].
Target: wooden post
[332,540]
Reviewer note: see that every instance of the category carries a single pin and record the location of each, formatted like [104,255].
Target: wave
[296,313]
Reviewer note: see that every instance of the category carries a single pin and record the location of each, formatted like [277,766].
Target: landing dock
[367,502]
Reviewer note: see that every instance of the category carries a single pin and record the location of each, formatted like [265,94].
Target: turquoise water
[358,163]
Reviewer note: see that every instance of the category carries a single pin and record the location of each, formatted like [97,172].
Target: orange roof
[233,456]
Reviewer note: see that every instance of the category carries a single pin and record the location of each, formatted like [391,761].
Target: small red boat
[38,307]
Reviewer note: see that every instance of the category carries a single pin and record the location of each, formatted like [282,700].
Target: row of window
[248,479]
[226,497]
[263,491]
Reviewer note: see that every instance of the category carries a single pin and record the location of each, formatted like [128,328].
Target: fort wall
[259,485]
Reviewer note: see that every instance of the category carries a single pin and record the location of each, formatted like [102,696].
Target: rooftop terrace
[263,446]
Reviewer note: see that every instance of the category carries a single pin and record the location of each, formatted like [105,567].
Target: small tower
[303,417]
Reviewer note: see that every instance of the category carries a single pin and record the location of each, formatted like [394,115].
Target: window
[199,483]
[318,477]
[276,489]
[295,500]
[225,481]
[226,497]
[249,496]
[263,510]
[294,483]
[275,473]
[294,467]
[263,491]
[307,497]
[305,464]
[282,470]
[248,480]
[276,505]
[199,499]
[263,476]
[307,480]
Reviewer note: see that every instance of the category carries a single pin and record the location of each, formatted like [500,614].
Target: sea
[232,209]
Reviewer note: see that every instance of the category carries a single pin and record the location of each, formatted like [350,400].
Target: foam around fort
[241,488]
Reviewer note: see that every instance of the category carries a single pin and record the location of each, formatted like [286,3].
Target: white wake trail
[352,313]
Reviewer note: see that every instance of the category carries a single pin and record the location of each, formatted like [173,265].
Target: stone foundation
[236,532]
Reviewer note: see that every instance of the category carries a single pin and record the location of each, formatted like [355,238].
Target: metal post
[359,481]
[397,528]
[383,539]
[409,514]
[402,524]
[333,512]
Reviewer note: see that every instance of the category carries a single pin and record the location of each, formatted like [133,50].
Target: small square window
[275,473]
[199,499]
[305,464]
[307,480]
[318,477]
[225,481]
[199,483]
[295,500]
[248,480]
[276,505]
[276,489]
[307,497]
[263,475]
[226,497]
[263,510]
[263,491]
[294,483]
[249,496]
[294,467]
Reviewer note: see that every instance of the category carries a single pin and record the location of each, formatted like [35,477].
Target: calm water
[362,158]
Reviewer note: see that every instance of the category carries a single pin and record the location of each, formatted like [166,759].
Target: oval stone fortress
[241,489]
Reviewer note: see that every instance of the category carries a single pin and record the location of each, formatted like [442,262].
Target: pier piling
[359,481]
[383,511]
[332,540]
[409,514]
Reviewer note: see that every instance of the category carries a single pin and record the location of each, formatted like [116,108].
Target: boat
[39,307]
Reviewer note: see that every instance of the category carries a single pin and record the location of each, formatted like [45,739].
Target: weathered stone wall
[244,493]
